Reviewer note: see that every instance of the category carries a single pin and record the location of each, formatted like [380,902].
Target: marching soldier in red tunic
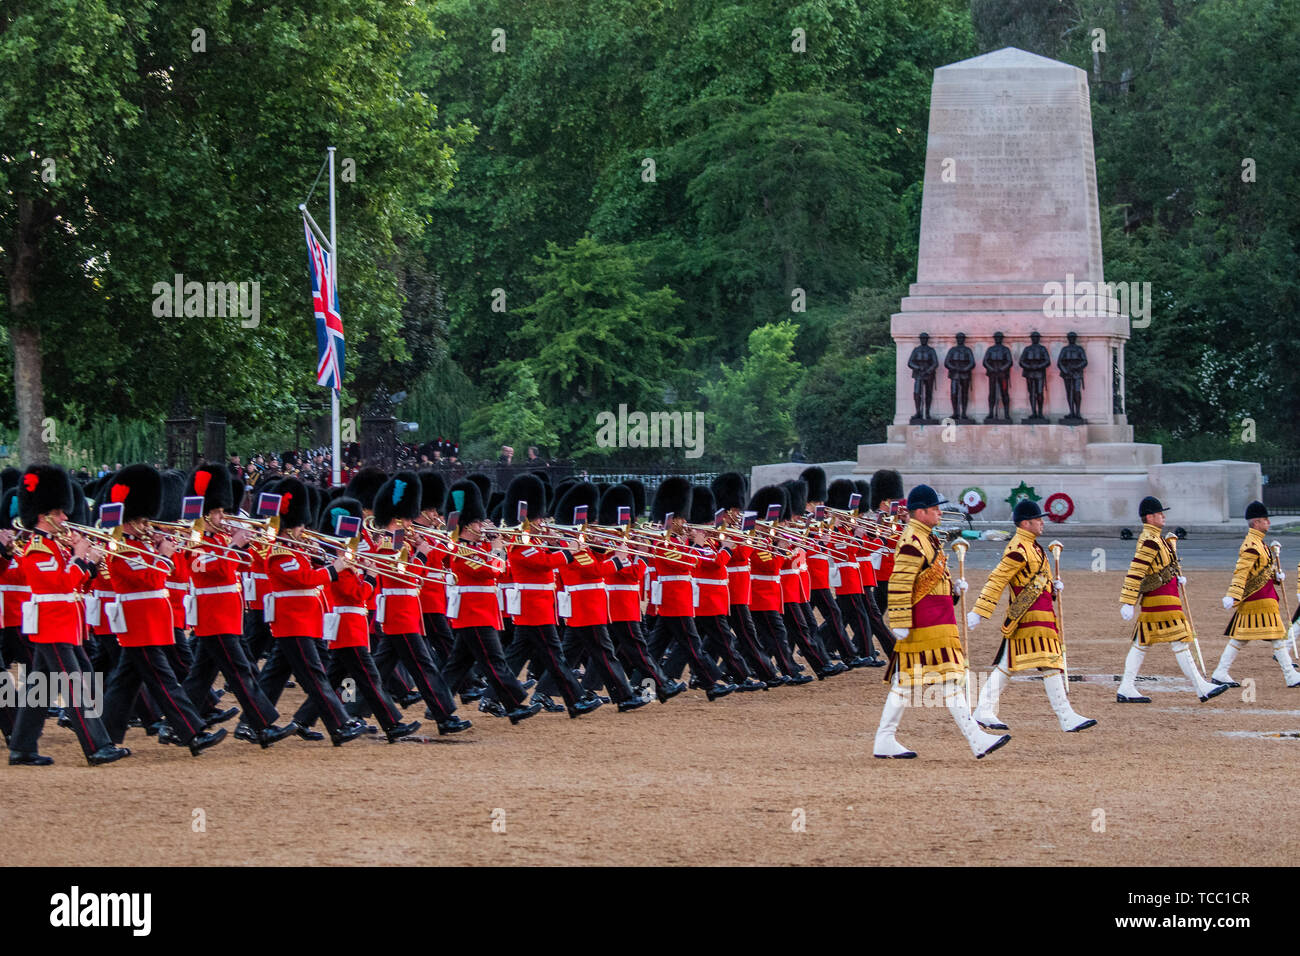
[729,494]
[624,587]
[672,592]
[13,592]
[53,619]
[472,606]
[398,615]
[766,594]
[348,633]
[295,609]
[141,617]
[218,602]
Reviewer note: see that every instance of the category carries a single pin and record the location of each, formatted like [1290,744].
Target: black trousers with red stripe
[831,631]
[638,663]
[597,651]
[482,646]
[257,634]
[799,626]
[540,645]
[759,661]
[356,664]
[148,668]
[718,642]
[49,663]
[302,656]
[770,626]
[224,653]
[681,632]
[412,651]
[441,639]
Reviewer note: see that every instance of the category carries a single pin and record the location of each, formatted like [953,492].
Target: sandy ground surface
[689,782]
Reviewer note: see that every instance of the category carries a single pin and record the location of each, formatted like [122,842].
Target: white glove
[1281,576]
[972,620]
[1126,611]
[1227,601]
[962,586]
[901,632]
[1059,585]
[1182,580]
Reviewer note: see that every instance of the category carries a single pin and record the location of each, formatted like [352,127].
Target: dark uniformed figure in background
[924,363]
[1072,361]
[1035,360]
[960,363]
[997,365]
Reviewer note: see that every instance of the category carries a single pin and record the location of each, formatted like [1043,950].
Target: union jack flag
[325,303]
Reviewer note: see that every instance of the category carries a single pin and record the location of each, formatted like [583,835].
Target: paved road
[1217,553]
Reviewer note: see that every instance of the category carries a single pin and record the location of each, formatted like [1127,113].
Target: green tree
[751,408]
[595,337]
[518,419]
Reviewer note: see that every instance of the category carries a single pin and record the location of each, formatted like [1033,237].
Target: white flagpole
[334,392]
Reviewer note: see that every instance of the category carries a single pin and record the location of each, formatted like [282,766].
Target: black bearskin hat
[729,490]
[9,478]
[342,505]
[8,509]
[80,513]
[398,497]
[464,497]
[578,494]
[140,489]
[864,489]
[210,481]
[701,505]
[637,487]
[173,489]
[769,495]
[527,488]
[484,484]
[433,490]
[886,485]
[672,497]
[295,503]
[610,501]
[815,479]
[364,485]
[839,492]
[797,489]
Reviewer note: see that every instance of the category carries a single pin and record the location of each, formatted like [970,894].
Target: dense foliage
[561,208]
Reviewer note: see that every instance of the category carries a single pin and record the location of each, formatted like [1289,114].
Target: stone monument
[1011,242]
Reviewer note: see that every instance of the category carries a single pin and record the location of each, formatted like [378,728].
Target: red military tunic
[532,574]
[13,592]
[218,593]
[397,604]
[583,578]
[850,575]
[765,582]
[672,579]
[349,597]
[792,589]
[623,586]
[476,583]
[295,605]
[140,581]
[178,588]
[433,592]
[738,574]
[711,582]
[55,580]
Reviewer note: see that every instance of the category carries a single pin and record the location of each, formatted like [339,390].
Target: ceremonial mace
[960,546]
[1056,548]
[1172,540]
[1276,548]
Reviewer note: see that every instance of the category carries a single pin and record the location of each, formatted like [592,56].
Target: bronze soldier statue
[997,364]
[1035,360]
[924,363]
[1072,361]
[960,363]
